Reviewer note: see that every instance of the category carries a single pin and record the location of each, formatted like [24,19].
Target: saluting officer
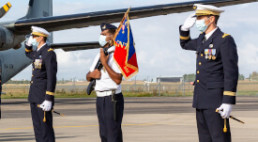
[43,83]
[216,72]
[110,101]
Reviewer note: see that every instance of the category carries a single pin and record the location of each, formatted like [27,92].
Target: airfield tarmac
[150,119]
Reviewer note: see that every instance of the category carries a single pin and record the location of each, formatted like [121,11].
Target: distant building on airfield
[169,79]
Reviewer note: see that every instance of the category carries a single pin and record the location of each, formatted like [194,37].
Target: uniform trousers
[210,126]
[110,111]
[44,131]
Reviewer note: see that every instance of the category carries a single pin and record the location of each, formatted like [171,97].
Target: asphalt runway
[150,119]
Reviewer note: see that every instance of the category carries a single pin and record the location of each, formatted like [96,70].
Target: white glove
[189,22]
[225,110]
[46,105]
[29,41]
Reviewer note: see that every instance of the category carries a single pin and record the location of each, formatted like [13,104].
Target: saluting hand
[29,41]
[189,22]
[103,57]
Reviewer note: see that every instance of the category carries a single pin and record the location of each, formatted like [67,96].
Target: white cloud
[248,53]
[72,64]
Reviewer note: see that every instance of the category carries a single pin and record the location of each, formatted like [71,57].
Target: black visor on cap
[105,26]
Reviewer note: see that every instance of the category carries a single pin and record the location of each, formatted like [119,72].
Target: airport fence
[133,88]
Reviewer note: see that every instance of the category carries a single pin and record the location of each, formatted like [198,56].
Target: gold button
[200,63]
[201,55]
[33,69]
[198,72]
[198,81]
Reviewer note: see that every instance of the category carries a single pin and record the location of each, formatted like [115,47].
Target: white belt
[107,93]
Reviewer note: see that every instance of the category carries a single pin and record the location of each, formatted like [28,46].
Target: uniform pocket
[42,85]
[215,93]
[211,85]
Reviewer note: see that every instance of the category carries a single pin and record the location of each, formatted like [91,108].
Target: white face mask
[102,40]
[34,42]
[201,26]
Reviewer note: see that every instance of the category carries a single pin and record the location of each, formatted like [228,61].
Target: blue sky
[156,38]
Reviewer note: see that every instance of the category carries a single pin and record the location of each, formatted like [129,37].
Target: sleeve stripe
[50,93]
[27,50]
[229,93]
[184,37]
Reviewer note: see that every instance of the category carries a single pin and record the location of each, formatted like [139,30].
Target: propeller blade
[5,9]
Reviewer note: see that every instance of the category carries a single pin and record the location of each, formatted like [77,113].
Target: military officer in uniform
[110,101]
[216,72]
[43,83]
[0,93]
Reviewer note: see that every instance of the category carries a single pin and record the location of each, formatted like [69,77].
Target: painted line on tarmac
[79,126]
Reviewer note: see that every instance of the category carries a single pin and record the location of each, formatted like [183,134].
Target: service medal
[213,51]
[206,52]
[209,54]
[38,63]
[211,45]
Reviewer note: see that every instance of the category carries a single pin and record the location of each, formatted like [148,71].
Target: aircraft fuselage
[13,61]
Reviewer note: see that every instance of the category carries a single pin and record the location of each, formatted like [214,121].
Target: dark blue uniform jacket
[216,68]
[43,80]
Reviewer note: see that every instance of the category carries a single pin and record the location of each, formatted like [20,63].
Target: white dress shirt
[105,83]
[208,35]
[41,46]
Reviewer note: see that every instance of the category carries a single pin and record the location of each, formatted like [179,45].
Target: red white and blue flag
[125,54]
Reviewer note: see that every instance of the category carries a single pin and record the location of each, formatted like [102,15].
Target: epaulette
[225,35]
[50,49]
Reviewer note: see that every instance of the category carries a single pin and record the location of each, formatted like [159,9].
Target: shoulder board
[50,49]
[225,35]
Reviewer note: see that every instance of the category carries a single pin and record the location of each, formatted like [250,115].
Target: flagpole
[123,46]
[121,22]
